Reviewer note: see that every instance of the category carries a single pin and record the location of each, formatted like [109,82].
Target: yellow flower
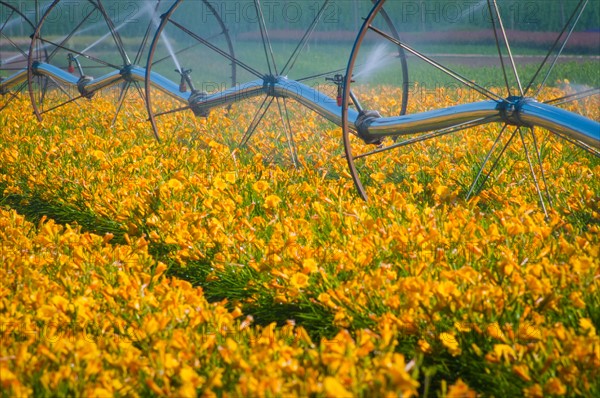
[260,186]
[587,325]
[535,391]
[450,342]
[424,346]
[555,387]
[299,280]
[522,371]
[463,326]
[379,177]
[460,390]
[154,387]
[576,299]
[495,331]
[504,351]
[219,184]
[105,309]
[174,184]
[102,392]
[60,302]
[98,154]
[230,177]
[46,312]
[272,201]
[325,298]
[335,389]
[309,265]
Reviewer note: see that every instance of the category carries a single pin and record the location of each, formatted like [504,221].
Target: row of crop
[81,316]
[485,290]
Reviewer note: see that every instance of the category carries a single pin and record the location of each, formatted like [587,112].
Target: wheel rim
[86,54]
[15,29]
[532,82]
[173,41]
[268,61]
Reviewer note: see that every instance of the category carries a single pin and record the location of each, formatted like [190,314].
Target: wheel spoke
[13,67]
[302,43]
[12,12]
[122,95]
[138,55]
[287,127]
[138,88]
[265,38]
[541,166]
[86,56]
[497,39]
[61,45]
[260,113]
[574,16]
[114,33]
[43,85]
[496,162]
[485,161]
[482,90]
[216,49]
[12,94]
[28,23]
[74,99]
[573,97]
[532,171]
[180,109]
[23,53]
[71,99]
[420,138]
[207,48]
[224,31]
[551,68]
[318,75]
[158,61]
[507,44]
[579,144]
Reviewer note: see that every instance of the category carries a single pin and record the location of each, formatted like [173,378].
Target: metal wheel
[15,29]
[194,47]
[513,86]
[191,55]
[81,48]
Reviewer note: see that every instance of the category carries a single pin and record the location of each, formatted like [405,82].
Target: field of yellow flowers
[194,267]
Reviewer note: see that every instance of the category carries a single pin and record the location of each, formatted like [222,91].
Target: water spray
[344,109]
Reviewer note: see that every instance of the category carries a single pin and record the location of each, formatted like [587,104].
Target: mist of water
[94,44]
[379,57]
[167,43]
[12,59]
[471,10]
[145,10]
[149,7]
[7,25]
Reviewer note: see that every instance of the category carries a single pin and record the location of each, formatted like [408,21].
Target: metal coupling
[364,119]
[81,87]
[195,102]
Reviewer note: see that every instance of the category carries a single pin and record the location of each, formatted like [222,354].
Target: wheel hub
[510,110]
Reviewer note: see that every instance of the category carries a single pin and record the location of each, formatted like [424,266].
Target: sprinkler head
[71,68]
[183,82]
[338,80]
